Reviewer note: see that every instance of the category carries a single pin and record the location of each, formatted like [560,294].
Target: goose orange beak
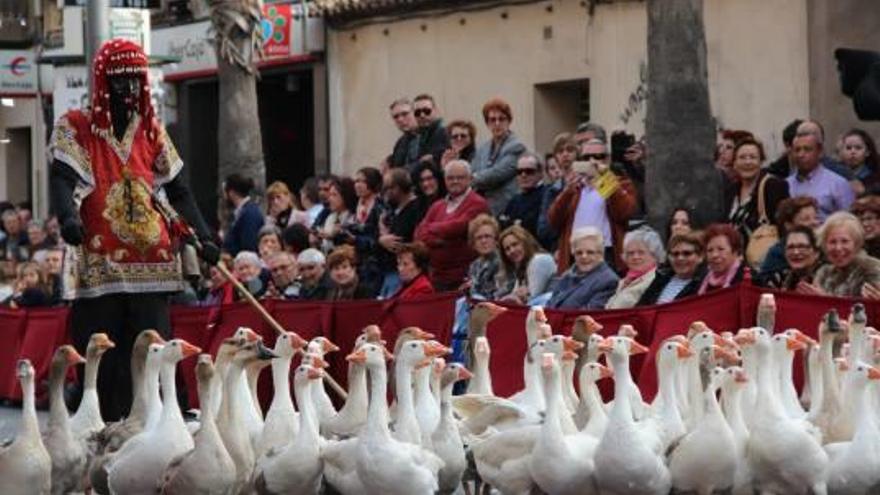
[328,346]
[388,355]
[746,336]
[319,362]
[740,376]
[873,373]
[74,358]
[636,348]
[793,344]
[297,342]
[721,353]
[464,373]
[422,335]
[803,338]
[482,345]
[436,349]
[316,374]
[569,356]
[590,325]
[627,331]
[605,371]
[683,351]
[359,356]
[607,345]
[103,341]
[540,316]
[188,349]
[569,344]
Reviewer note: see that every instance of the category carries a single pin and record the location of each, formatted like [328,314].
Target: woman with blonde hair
[283,206]
[850,272]
[526,271]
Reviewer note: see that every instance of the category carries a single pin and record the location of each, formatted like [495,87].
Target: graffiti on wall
[637,98]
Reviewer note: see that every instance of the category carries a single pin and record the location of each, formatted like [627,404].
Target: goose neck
[169,390]
[377,412]
[553,391]
[280,380]
[30,426]
[308,425]
[403,387]
[867,431]
[90,380]
[768,400]
[622,406]
[57,408]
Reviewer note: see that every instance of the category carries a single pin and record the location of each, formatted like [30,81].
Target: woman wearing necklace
[741,197]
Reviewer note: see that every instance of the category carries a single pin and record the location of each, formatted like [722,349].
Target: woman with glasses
[590,281]
[462,142]
[642,252]
[481,282]
[803,257]
[683,276]
[430,186]
[494,163]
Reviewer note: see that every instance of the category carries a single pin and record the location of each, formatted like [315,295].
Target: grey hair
[311,256]
[587,233]
[464,163]
[400,101]
[846,220]
[596,129]
[268,230]
[539,162]
[9,213]
[650,238]
[248,257]
[596,142]
[818,133]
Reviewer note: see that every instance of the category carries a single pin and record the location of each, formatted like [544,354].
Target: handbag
[765,236]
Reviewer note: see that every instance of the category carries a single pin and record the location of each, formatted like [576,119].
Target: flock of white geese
[727,417]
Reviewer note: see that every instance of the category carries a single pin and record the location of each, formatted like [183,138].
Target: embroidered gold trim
[130,212]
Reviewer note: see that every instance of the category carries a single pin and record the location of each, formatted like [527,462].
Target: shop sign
[18,72]
[276,25]
[129,4]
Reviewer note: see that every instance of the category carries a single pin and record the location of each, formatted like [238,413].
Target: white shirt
[591,212]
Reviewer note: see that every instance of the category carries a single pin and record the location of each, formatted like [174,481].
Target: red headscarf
[121,57]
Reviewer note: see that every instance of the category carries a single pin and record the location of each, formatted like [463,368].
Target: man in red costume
[114,175]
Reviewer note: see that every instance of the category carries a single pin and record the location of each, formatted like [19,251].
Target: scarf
[632,275]
[719,281]
[364,208]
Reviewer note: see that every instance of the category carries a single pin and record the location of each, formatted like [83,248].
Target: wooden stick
[272,321]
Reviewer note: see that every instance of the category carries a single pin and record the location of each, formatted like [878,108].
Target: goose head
[717,377]
[671,351]
[549,366]
[322,345]
[864,373]
[176,350]
[438,364]
[287,344]
[736,378]
[24,370]
[373,356]
[560,344]
[204,369]
[800,337]
[415,351]
[454,372]
[484,312]
[704,339]
[627,330]
[371,334]
[314,360]
[782,344]
[409,334]
[619,347]
[766,314]
[246,333]
[66,356]
[593,372]
[535,321]
[830,327]
[99,343]
[251,351]
[305,374]
[857,318]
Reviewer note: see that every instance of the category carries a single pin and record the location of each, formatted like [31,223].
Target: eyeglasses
[456,137]
[526,171]
[681,254]
[595,156]
[422,112]
[798,247]
[496,120]
[399,115]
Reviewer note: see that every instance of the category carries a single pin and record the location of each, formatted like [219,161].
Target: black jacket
[403,224]
[662,278]
[433,141]
[525,207]
[775,191]
[400,156]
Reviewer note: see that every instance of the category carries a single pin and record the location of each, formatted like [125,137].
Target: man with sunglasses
[433,140]
[524,208]
[593,197]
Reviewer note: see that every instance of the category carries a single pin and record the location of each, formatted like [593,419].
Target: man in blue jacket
[247,219]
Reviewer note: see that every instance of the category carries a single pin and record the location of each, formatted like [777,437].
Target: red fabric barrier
[36,333]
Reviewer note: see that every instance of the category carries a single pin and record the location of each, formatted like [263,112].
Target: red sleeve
[623,203]
[457,225]
[423,232]
[559,214]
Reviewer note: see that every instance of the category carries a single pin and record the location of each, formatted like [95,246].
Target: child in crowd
[30,288]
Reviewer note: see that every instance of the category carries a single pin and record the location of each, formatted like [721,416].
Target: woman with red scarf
[723,257]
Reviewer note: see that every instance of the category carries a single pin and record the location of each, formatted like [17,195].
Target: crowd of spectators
[448,210]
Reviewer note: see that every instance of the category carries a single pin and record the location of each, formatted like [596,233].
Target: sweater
[589,290]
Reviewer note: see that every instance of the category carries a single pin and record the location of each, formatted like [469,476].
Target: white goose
[297,466]
[731,393]
[446,440]
[321,346]
[87,419]
[624,464]
[829,409]
[855,465]
[561,464]
[281,422]
[591,401]
[353,414]
[427,409]
[25,465]
[67,452]
[783,456]
[690,466]
[207,469]
[412,353]
[589,394]
[481,383]
[233,410]
[385,465]
[787,392]
[141,461]
[665,421]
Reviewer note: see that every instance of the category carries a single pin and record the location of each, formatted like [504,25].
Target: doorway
[559,107]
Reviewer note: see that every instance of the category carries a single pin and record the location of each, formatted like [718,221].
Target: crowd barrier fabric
[34,334]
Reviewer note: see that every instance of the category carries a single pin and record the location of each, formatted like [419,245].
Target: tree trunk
[679,126]
[238,130]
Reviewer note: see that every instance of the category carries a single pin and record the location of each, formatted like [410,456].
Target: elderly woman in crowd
[679,223]
[430,185]
[247,268]
[803,258]
[526,272]
[791,212]
[283,208]
[867,209]
[642,252]
[590,281]
[723,257]
[462,140]
[268,242]
[342,264]
[314,280]
[858,152]
[742,194]
[342,202]
[849,272]
[683,276]
[482,273]
[413,261]
[494,163]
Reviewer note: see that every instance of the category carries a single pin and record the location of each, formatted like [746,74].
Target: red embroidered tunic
[127,246]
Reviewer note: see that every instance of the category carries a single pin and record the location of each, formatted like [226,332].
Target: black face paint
[125,93]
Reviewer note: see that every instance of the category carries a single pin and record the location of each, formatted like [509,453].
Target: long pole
[272,321]
[98,30]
